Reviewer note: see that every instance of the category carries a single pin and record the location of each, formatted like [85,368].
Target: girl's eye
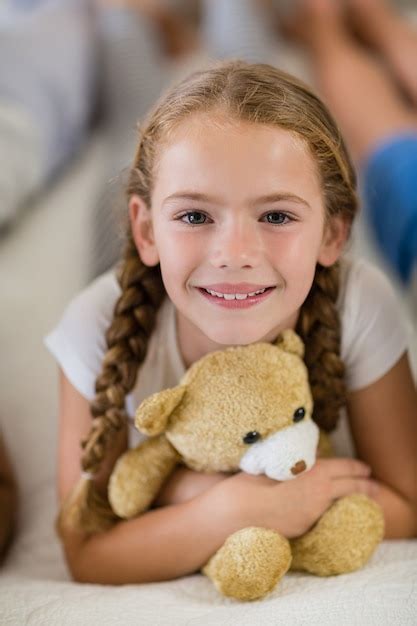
[197,218]
[279,218]
[194,218]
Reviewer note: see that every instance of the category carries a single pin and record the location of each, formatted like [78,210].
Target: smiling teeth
[234,296]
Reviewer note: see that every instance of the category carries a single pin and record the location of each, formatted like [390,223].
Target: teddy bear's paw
[139,474]
[250,563]
[343,540]
[126,497]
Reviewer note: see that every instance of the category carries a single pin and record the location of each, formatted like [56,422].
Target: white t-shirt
[374,336]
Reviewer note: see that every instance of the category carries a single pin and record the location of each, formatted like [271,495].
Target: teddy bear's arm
[139,475]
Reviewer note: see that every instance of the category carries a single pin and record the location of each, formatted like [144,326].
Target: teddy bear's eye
[299,414]
[251,437]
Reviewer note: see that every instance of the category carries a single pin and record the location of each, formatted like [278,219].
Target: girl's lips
[237,304]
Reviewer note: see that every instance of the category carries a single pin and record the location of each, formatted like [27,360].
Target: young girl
[241,182]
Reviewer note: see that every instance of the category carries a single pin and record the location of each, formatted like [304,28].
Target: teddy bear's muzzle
[299,467]
[284,454]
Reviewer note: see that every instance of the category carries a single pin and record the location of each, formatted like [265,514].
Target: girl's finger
[342,468]
[346,486]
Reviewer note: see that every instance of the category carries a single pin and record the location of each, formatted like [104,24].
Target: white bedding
[35,589]
[42,264]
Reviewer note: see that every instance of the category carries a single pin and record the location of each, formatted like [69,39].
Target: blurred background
[76,76]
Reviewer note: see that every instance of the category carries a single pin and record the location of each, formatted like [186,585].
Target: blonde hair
[259,94]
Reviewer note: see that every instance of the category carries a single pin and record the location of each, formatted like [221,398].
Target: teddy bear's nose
[299,467]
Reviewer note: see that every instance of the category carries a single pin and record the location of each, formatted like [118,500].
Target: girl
[241,182]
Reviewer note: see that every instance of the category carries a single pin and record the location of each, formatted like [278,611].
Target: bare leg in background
[356,86]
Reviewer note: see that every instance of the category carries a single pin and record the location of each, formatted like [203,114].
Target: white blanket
[35,589]
[42,264]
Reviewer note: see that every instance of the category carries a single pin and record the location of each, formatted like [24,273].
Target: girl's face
[234,203]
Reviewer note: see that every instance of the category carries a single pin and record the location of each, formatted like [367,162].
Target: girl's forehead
[219,147]
[201,127]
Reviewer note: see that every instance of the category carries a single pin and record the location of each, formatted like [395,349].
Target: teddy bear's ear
[289,341]
[153,413]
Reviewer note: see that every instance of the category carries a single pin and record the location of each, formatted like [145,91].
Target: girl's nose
[238,245]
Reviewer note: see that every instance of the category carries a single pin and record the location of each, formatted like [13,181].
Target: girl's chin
[233,338]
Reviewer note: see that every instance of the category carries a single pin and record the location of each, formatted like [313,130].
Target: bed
[43,263]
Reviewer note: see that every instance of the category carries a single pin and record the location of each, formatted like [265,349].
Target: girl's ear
[142,231]
[335,235]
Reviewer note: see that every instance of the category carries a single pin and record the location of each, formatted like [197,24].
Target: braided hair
[256,93]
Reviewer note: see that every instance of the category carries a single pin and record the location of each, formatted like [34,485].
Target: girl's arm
[184,484]
[383,420]
[74,425]
[161,544]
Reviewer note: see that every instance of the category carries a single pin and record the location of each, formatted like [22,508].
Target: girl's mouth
[230,301]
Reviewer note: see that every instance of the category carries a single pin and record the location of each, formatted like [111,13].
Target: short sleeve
[375,329]
[78,341]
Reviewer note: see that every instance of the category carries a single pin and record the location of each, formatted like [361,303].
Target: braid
[127,341]
[319,327]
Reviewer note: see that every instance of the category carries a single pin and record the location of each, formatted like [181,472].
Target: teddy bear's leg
[139,475]
[250,563]
[343,539]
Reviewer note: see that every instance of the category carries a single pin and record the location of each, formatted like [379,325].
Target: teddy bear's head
[245,407]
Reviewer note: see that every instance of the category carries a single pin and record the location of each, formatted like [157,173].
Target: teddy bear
[247,408]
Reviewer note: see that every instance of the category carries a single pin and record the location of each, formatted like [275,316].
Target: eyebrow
[269,198]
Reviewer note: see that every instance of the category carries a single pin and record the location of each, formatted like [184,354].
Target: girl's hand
[292,507]
[185,484]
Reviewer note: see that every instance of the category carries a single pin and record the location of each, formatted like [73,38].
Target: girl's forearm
[185,484]
[400,515]
[161,544]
